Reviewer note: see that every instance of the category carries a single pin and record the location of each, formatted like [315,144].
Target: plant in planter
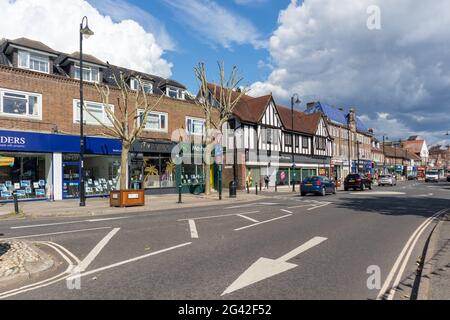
[170,169]
[126,120]
[150,172]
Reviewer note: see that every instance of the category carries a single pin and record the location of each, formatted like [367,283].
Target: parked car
[387,179]
[357,182]
[318,185]
[432,176]
[412,177]
[448,178]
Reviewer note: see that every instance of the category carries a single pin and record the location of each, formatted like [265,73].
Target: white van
[432,176]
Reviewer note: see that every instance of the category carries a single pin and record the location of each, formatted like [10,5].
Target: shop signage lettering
[12,140]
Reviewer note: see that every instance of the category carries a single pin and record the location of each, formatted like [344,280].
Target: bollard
[179,193]
[248,188]
[16,203]
[276,187]
[257,188]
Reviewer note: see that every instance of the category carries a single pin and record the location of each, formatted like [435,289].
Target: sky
[388,59]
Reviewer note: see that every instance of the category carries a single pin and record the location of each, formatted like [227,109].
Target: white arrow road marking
[265,268]
[287,211]
[253,205]
[219,216]
[248,218]
[94,252]
[193,228]
[319,206]
[263,222]
[128,261]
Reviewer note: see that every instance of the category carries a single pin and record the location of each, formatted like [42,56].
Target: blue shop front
[41,166]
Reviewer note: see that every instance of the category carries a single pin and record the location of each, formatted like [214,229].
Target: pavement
[352,245]
[21,260]
[435,279]
[100,206]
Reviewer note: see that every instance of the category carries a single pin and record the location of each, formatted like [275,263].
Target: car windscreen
[312,179]
[354,176]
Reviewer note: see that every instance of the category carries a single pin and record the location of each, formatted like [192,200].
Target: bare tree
[220,98]
[131,105]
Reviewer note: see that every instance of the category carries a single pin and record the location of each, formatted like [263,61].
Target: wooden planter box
[127,198]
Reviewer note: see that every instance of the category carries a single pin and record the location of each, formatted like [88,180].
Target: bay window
[96,111]
[20,104]
[33,61]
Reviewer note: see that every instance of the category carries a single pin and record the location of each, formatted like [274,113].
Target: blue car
[318,185]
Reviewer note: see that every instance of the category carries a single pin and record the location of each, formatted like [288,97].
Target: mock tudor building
[39,126]
[267,144]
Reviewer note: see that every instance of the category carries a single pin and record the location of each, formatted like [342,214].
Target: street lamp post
[357,147]
[84,32]
[294,100]
[384,154]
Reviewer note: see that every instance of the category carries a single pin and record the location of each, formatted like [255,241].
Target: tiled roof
[249,109]
[398,153]
[305,123]
[32,44]
[413,145]
[87,58]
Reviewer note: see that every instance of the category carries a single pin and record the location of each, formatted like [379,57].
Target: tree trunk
[124,166]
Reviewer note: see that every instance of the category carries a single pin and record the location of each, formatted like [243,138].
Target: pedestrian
[266,181]
[249,180]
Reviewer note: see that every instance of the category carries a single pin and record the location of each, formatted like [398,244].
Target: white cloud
[215,24]
[56,23]
[323,48]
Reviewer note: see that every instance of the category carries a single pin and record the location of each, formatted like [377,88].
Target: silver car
[387,180]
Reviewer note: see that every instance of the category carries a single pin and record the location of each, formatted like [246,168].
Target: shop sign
[43,142]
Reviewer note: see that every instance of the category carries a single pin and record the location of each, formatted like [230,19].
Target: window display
[25,177]
[101,175]
[192,174]
[159,172]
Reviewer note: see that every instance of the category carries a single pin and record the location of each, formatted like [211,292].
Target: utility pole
[384,154]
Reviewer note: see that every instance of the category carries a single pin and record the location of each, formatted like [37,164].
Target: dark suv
[357,182]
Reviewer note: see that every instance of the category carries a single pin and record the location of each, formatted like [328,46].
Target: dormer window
[33,61]
[147,86]
[175,93]
[90,73]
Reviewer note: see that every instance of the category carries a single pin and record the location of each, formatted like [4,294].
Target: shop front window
[102,175]
[159,172]
[24,175]
[192,174]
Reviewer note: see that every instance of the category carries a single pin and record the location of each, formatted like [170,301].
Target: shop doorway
[71,180]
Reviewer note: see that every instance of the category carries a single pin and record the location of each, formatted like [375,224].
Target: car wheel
[363,187]
[370,187]
[345,189]
[334,190]
[324,192]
